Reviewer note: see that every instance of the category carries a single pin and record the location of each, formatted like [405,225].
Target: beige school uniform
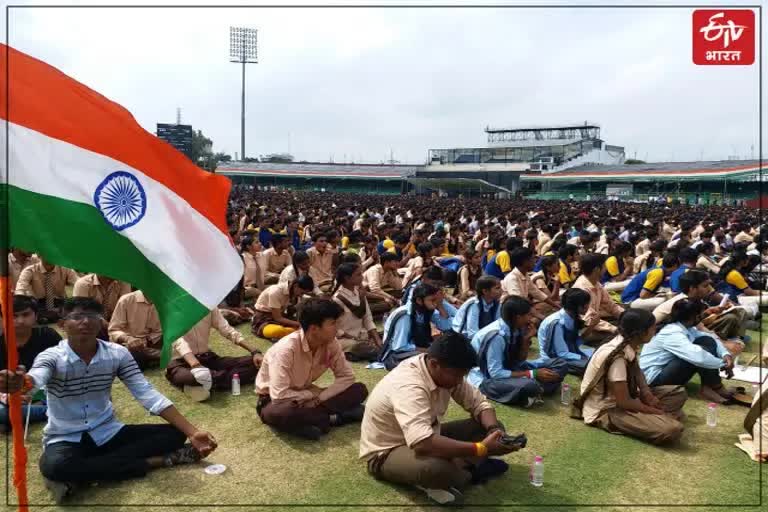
[108,296]
[407,407]
[32,281]
[600,408]
[353,332]
[16,266]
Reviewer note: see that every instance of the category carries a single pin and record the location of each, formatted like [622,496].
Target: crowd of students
[633,299]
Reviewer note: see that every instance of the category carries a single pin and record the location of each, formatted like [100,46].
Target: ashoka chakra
[121,200]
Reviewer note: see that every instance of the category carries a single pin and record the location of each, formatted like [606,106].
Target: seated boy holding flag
[83,441]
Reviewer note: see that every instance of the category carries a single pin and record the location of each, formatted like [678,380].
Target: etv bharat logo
[724,37]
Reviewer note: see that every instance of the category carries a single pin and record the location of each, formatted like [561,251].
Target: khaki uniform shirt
[276,262]
[517,283]
[664,310]
[15,267]
[253,270]
[277,296]
[350,326]
[196,340]
[134,318]
[32,281]
[89,286]
[376,279]
[595,402]
[406,407]
[600,305]
[643,247]
[289,369]
[320,265]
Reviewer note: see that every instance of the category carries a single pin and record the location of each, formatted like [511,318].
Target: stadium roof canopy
[669,171]
[528,128]
[318,170]
[457,184]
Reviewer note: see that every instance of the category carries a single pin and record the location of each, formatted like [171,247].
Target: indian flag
[89,189]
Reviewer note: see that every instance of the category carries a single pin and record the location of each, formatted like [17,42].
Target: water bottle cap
[712,405]
[538,458]
[236,375]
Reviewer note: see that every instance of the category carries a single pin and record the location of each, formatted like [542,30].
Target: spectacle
[84,316]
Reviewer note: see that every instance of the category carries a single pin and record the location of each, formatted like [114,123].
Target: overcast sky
[355,83]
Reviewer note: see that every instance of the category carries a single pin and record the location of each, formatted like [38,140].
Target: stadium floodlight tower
[242,49]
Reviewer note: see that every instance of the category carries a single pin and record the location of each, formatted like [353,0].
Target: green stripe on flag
[75,235]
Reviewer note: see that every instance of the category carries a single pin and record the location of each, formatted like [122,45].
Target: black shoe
[354,415]
[487,469]
[187,454]
[310,432]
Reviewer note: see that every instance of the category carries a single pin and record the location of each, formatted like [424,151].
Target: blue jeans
[37,413]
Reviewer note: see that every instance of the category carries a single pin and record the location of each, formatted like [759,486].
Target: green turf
[583,465]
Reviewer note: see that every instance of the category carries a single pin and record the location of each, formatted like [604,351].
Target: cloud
[363,81]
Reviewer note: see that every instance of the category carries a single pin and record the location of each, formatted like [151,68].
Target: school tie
[48,284]
[109,293]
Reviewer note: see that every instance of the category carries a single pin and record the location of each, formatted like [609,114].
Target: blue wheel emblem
[121,200]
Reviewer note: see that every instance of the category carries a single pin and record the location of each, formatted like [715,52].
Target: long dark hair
[737,259]
[573,300]
[632,323]
[298,257]
[473,276]
[343,272]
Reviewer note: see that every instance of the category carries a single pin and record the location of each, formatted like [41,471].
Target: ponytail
[343,272]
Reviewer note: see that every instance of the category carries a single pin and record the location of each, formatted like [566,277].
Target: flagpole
[6,306]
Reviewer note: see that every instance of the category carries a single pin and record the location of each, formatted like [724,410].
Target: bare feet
[711,395]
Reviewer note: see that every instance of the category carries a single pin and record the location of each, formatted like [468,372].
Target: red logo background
[732,32]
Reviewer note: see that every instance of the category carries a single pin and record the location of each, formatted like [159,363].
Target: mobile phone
[519,440]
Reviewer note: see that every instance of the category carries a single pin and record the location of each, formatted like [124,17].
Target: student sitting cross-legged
[84,441]
[402,438]
[135,324]
[408,330]
[735,285]
[723,322]
[196,369]
[481,309]
[503,372]
[679,351]
[47,283]
[518,283]
[615,395]
[356,331]
[383,284]
[644,291]
[602,310]
[288,399]
[618,268]
[559,336]
[273,311]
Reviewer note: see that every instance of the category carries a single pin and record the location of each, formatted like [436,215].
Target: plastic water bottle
[537,471]
[565,394]
[236,385]
[712,414]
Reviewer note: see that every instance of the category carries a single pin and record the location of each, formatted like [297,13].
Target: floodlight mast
[243,50]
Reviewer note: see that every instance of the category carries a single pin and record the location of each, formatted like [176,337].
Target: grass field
[583,465]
